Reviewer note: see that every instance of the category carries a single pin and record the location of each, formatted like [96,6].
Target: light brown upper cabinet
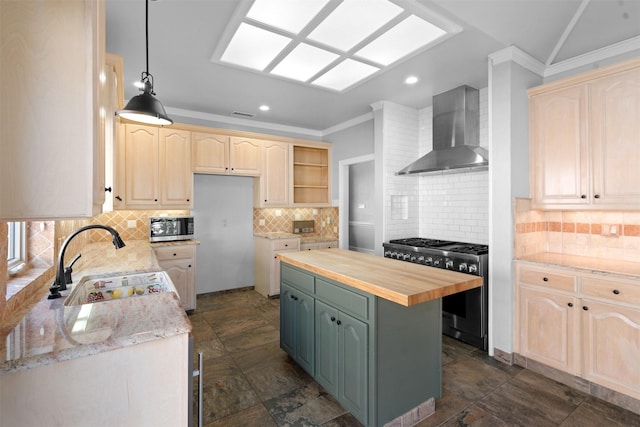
[52,115]
[154,168]
[584,133]
[272,189]
[223,154]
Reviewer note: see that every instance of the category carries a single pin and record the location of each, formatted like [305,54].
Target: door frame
[343,195]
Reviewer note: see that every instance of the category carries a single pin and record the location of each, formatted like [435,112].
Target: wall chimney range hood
[456,135]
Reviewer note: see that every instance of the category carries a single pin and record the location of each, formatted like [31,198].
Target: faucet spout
[60,283]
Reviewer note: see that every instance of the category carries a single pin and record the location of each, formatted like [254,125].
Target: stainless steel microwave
[168,228]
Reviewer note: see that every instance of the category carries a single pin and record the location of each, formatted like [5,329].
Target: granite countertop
[277,235]
[402,282]
[51,332]
[627,269]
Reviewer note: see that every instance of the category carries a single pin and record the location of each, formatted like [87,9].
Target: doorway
[357,195]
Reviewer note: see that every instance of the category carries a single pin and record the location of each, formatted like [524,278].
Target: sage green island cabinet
[376,329]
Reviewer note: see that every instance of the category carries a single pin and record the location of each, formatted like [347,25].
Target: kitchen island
[118,362]
[368,329]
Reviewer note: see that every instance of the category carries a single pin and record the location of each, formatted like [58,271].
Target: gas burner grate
[419,242]
[470,249]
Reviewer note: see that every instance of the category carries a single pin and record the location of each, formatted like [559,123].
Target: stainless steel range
[464,315]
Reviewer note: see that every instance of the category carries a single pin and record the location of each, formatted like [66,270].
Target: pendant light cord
[146,27]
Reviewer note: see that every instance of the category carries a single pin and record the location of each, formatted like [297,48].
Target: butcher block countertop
[402,282]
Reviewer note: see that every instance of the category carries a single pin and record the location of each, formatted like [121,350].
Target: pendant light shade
[146,108]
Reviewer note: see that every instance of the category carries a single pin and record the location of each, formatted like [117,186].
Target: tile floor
[250,382]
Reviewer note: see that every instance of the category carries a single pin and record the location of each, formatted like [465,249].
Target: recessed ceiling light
[264,108]
[411,80]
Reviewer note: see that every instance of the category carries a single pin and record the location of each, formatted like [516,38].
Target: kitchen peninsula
[127,359]
[368,329]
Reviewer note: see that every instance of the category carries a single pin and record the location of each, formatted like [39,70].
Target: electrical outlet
[335,229]
[297,216]
[261,222]
[315,211]
[131,223]
[278,212]
[609,230]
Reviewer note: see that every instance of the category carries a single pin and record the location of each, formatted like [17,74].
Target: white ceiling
[183,35]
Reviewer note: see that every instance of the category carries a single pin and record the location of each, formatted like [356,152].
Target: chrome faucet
[60,283]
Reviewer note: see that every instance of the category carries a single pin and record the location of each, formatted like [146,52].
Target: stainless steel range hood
[456,135]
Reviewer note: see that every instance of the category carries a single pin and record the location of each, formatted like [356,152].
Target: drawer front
[308,246]
[283,244]
[611,289]
[174,252]
[343,299]
[297,279]
[547,279]
[328,245]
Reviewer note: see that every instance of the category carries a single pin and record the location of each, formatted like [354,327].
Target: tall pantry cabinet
[52,113]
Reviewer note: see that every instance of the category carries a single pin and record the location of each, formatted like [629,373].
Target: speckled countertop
[303,239]
[50,331]
[581,263]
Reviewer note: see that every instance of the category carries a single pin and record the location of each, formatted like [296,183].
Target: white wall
[454,206]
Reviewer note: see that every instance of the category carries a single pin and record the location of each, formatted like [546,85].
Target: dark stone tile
[277,379]
[217,319]
[226,396]
[531,399]
[251,338]
[490,361]
[261,356]
[255,416]
[448,406]
[474,416]
[220,367]
[237,326]
[344,420]
[308,406]
[210,349]
[598,412]
[453,350]
[471,378]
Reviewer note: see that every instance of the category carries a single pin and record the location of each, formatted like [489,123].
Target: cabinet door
[182,276]
[175,169]
[615,139]
[326,347]
[305,332]
[210,153]
[353,365]
[245,156]
[611,345]
[287,320]
[559,156]
[140,155]
[51,59]
[274,181]
[548,328]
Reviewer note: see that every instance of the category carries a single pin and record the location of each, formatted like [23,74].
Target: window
[17,246]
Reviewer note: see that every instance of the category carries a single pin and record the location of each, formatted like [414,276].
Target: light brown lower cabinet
[179,262]
[584,324]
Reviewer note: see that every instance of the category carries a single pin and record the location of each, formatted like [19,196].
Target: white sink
[108,288]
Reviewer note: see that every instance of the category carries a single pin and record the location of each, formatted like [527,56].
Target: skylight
[331,44]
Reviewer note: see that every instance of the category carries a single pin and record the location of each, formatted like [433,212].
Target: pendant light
[145,108]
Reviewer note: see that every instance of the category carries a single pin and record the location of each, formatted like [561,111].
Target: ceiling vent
[243,114]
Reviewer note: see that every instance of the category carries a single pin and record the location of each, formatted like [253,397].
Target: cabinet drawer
[298,279]
[548,279]
[173,252]
[611,289]
[343,299]
[285,244]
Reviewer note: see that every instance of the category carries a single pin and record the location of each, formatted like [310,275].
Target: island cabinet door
[327,347]
[296,326]
[287,319]
[352,365]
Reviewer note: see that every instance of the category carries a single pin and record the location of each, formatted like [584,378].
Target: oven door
[464,317]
